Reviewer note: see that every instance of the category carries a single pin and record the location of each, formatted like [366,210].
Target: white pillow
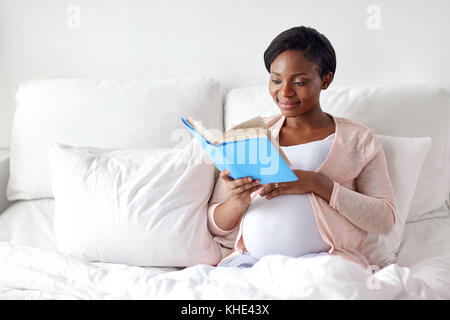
[404,158]
[103,113]
[142,207]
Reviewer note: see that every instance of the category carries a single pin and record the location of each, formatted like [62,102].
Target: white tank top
[286,224]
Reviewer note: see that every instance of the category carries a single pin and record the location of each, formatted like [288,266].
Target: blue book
[245,150]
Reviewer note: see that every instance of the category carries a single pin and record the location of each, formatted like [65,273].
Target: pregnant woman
[343,189]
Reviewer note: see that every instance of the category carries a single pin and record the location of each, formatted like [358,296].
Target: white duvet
[34,273]
[31,268]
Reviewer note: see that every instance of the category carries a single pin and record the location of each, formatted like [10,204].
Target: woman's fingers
[273,194]
[236,183]
[271,187]
[224,174]
[253,189]
[247,185]
[237,186]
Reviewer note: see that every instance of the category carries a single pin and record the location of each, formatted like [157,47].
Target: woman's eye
[299,83]
[276,81]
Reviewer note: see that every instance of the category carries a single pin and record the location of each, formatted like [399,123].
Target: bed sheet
[425,250]
[29,223]
[31,268]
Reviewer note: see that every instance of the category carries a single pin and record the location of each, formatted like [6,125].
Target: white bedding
[30,268]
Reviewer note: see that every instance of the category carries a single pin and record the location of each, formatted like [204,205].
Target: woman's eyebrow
[297,74]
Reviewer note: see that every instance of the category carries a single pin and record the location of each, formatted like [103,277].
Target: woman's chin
[289,111]
[289,108]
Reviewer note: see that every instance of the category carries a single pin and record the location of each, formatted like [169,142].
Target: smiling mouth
[289,105]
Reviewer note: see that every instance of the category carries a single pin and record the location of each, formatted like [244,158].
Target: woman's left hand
[308,181]
[304,184]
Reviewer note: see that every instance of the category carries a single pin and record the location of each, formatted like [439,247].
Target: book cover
[245,150]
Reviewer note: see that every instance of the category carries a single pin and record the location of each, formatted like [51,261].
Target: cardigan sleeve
[219,195]
[371,207]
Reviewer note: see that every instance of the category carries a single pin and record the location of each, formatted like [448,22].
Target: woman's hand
[240,189]
[308,181]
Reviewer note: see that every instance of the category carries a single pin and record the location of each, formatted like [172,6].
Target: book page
[252,128]
[243,133]
[205,133]
[277,147]
[256,124]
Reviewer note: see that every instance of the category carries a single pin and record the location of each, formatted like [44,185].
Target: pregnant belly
[283,225]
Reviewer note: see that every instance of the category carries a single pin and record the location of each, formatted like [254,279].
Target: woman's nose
[287,91]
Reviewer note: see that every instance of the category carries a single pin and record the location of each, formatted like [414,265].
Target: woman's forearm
[322,186]
[227,214]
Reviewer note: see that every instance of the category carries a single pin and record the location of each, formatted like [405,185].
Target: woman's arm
[371,207]
[229,203]
[322,186]
[225,217]
[220,195]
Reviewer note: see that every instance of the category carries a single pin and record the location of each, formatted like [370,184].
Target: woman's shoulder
[354,125]
[350,128]
[360,135]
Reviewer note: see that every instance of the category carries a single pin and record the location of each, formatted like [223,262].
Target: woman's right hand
[240,189]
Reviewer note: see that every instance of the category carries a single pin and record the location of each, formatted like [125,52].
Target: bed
[33,267]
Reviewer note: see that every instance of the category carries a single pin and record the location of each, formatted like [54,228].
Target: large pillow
[404,110]
[404,157]
[142,207]
[103,113]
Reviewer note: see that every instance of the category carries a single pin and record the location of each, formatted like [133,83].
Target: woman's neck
[308,121]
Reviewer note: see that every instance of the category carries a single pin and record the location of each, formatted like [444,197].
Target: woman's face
[295,83]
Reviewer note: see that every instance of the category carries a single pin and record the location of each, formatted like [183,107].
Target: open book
[245,150]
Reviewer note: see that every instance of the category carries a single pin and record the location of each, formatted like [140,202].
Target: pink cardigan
[362,199]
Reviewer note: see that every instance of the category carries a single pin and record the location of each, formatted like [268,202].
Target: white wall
[222,39]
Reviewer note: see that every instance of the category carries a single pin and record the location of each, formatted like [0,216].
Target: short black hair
[314,47]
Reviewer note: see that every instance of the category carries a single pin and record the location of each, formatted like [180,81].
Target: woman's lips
[289,105]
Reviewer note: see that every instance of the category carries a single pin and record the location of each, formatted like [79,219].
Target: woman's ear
[326,80]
